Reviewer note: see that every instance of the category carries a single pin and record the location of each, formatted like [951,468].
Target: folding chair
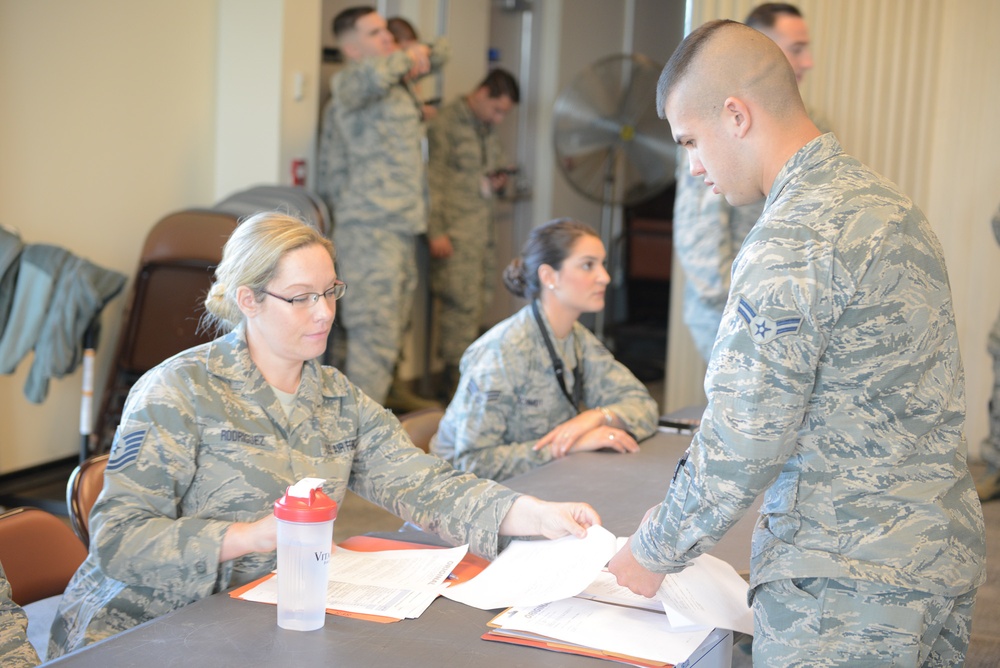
[162,315]
[293,200]
[421,426]
[39,554]
[82,489]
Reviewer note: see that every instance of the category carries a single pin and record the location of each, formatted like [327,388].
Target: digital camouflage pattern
[708,233]
[374,143]
[373,178]
[463,150]
[836,385]
[852,623]
[508,397]
[991,446]
[203,443]
[380,269]
[331,160]
[15,650]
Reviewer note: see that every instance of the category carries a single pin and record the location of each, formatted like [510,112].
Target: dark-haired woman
[539,385]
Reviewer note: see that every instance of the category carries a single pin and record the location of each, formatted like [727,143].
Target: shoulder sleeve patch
[480,396]
[763,329]
[126,449]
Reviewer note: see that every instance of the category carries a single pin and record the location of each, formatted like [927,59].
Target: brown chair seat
[421,425]
[39,553]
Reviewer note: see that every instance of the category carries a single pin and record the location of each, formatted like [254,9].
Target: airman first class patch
[763,329]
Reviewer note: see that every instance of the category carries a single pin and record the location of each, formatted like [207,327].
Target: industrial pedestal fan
[610,143]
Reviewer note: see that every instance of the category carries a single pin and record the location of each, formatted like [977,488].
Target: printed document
[530,572]
[607,628]
[393,583]
[708,593]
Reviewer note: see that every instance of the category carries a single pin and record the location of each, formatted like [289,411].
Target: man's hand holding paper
[535,571]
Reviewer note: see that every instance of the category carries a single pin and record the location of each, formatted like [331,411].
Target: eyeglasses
[309,299]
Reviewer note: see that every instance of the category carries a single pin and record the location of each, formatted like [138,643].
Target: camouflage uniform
[708,233]
[866,624]
[463,150]
[15,650]
[331,169]
[373,169]
[509,397]
[837,386]
[204,442]
[991,446]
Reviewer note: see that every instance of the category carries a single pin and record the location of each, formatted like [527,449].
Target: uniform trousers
[843,622]
[464,284]
[991,446]
[380,269]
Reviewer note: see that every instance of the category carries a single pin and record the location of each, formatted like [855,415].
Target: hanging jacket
[53,300]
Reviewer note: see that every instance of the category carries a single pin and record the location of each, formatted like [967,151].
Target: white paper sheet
[393,583]
[605,588]
[537,571]
[709,592]
[610,628]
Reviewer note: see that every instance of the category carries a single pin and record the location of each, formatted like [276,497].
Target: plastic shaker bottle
[305,535]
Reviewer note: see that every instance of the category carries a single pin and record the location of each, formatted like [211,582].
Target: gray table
[623,487]
[220,631]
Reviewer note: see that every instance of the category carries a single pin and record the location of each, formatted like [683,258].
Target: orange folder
[465,570]
[555,646]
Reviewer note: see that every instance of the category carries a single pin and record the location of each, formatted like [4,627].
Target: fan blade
[587,172]
[574,140]
[606,131]
[639,92]
[596,89]
[651,155]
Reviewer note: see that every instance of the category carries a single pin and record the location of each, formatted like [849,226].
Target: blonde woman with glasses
[211,437]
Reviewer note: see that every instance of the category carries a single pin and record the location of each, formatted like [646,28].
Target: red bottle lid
[317,507]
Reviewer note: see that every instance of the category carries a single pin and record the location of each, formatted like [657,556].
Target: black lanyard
[417,102]
[557,364]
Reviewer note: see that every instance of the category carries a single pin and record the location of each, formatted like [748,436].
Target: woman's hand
[562,438]
[618,440]
[533,517]
[587,431]
[246,537]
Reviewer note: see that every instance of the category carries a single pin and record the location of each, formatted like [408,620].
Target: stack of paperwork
[384,586]
[559,598]
[555,594]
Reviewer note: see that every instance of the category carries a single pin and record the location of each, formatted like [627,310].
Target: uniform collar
[807,158]
[229,359]
[470,117]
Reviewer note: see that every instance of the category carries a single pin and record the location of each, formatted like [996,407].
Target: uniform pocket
[778,512]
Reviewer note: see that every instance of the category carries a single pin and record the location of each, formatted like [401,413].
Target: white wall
[963,173]
[248,100]
[299,87]
[106,125]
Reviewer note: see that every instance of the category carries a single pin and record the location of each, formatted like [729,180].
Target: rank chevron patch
[763,329]
[125,449]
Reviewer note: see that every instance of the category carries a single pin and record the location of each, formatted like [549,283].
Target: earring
[552,286]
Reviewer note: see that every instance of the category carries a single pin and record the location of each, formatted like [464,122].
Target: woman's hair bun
[513,278]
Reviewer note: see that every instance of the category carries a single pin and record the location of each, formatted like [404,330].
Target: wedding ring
[611,437]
